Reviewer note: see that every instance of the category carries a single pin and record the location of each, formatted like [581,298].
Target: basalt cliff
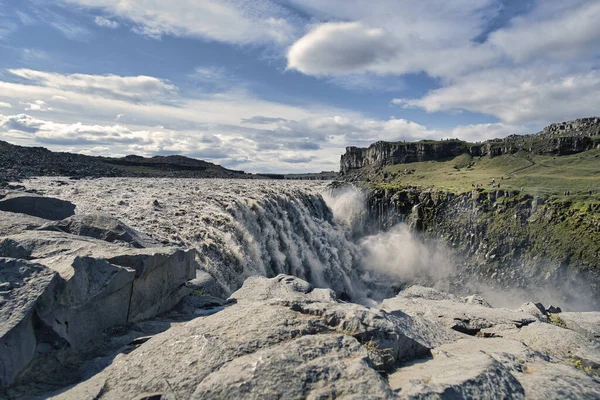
[518,213]
[557,139]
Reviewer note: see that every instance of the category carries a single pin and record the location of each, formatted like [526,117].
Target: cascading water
[240,227]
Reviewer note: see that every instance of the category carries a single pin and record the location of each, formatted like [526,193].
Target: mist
[400,256]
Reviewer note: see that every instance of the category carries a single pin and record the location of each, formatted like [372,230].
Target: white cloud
[240,21]
[230,128]
[536,94]
[345,47]
[37,105]
[106,23]
[555,31]
[4,104]
[131,88]
[396,37]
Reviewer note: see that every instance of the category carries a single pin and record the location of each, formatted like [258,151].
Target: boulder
[277,338]
[320,366]
[22,284]
[535,309]
[452,312]
[13,223]
[491,369]
[105,284]
[37,206]
[556,342]
[458,371]
[584,323]
[103,227]
[478,300]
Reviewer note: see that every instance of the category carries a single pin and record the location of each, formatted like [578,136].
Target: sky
[285,85]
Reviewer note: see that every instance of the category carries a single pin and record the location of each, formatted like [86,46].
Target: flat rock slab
[491,369]
[556,342]
[584,323]
[13,223]
[274,330]
[37,206]
[22,284]
[453,312]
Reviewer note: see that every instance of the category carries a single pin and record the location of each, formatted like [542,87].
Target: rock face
[282,338]
[386,153]
[37,206]
[557,139]
[71,287]
[12,223]
[22,285]
[104,284]
[512,240]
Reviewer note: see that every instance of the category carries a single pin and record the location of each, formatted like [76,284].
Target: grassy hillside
[535,174]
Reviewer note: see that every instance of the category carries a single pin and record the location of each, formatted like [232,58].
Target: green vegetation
[579,364]
[547,176]
[558,321]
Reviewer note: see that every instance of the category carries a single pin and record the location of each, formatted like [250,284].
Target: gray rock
[13,223]
[205,284]
[458,371]
[103,227]
[542,380]
[535,309]
[491,369]
[316,367]
[452,312]
[22,284]
[105,284]
[37,206]
[273,326]
[477,300]
[584,323]
[556,342]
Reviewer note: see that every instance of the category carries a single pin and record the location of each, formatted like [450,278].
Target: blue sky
[286,85]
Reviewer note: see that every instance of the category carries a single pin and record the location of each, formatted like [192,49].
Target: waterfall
[240,228]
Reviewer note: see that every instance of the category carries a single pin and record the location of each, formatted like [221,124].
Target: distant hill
[18,162]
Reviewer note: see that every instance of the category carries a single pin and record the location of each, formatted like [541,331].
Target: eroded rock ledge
[282,338]
[60,289]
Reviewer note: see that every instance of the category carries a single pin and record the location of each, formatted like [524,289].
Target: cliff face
[557,139]
[386,153]
[501,238]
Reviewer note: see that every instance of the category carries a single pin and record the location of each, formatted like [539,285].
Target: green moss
[558,321]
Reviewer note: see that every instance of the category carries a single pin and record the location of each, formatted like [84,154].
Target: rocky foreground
[92,309]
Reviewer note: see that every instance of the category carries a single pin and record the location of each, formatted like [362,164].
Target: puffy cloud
[239,21]
[343,47]
[5,105]
[131,88]
[396,37]
[106,23]
[537,94]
